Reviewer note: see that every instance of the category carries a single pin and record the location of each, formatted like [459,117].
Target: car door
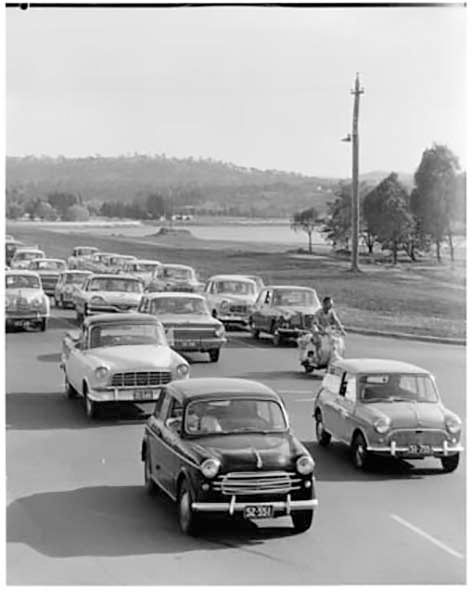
[266,311]
[171,431]
[256,315]
[328,400]
[59,286]
[74,360]
[154,437]
[346,402]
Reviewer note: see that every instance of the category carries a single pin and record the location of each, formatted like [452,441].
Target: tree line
[393,217]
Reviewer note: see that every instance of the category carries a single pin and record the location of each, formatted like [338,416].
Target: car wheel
[252,328]
[450,463]
[276,338]
[43,323]
[308,368]
[69,390]
[214,355]
[149,485]
[322,436]
[80,318]
[188,520]
[360,454]
[91,407]
[302,520]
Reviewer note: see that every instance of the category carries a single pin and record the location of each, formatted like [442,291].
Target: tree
[337,226]
[435,203]
[45,211]
[155,205]
[76,214]
[306,221]
[14,210]
[385,209]
[61,202]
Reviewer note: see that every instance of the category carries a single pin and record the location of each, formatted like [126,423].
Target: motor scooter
[332,348]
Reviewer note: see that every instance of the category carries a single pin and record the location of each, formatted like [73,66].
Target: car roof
[22,272]
[114,276]
[179,265]
[149,261]
[236,276]
[288,287]
[198,388]
[81,271]
[48,259]
[125,256]
[120,317]
[85,247]
[29,249]
[377,366]
[174,295]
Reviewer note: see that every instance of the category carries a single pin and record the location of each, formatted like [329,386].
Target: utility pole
[355,176]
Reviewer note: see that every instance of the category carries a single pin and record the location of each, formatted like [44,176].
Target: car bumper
[197,344]
[22,317]
[131,395]
[281,507]
[405,451]
[234,319]
[290,332]
[99,309]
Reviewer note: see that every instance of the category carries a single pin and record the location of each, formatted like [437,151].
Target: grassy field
[421,298]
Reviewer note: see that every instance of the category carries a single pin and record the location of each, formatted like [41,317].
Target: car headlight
[101,374]
[453,424]
[36,302]
[382,425]
[224,306]
[305,465]
[220,331]
[182,370]
[210,467]
[97,300]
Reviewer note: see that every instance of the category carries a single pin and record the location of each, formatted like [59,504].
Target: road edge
[407,336]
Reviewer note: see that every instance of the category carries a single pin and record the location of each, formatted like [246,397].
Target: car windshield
[146,267]
[234,416]
[177,273]
[51,265]
[116,334]
[235,287]
[115,285]
[397,387]
[27,255]
[13,281]
[184,306]
[120,260]
[294,298]
[75,278]
[82,251]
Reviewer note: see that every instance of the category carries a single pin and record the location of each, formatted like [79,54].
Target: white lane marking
[427,536]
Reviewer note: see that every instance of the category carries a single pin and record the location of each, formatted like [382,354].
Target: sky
[260,87]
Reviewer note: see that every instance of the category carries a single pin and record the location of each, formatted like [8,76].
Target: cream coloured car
[118,358]
[24,255]
[25,300]
[231,298]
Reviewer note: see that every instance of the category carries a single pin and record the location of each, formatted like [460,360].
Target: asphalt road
[78,514]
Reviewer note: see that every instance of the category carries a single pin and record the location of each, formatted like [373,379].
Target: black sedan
[224,446]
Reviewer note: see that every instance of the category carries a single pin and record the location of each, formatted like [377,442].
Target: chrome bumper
[93,310]
[393,450]
[25,316]
[288,506]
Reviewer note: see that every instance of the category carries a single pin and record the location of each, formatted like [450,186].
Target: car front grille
[260,483]
[238,308]
[49,281]
[194,333]
[418,436]
[130,379]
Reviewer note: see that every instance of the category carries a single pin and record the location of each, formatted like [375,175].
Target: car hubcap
[88,406]
[359,455]
[185,511]
[320,430]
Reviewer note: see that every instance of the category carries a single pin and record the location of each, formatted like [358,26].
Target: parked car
[24,255]
[67,283]
[25,300]
[224,446]
[285,312]
[11,246]
[79,256]
[386,408]
[102,293]
[175,278]
[98,263]
[231,298]
[117,262]
[144,269]
[187,321]
[49,271]
[119,358]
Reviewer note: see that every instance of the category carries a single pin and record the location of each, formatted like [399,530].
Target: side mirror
[174,424]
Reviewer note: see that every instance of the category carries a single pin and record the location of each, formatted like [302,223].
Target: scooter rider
[325,317]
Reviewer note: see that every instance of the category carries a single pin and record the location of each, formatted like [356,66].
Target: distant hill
[375,177]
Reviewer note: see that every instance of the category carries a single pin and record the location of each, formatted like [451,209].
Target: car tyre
[252,328]
[92,409]
[189,521]
[69,390]
[214,355]
[322,436]
[302,520]
[276,338]
[80,318]
[149,484]
[360,455]
[43,323]
[450,463]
